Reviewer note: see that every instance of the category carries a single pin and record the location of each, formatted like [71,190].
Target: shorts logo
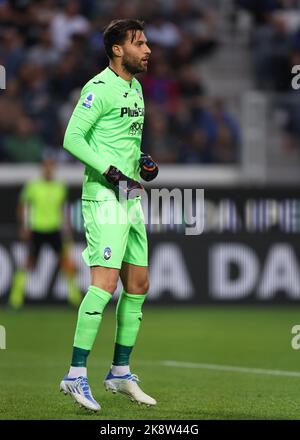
[107,253]
[88,101]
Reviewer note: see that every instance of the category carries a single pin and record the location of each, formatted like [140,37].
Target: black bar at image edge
[97,429]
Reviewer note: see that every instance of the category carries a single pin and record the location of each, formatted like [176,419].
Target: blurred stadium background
[221,114]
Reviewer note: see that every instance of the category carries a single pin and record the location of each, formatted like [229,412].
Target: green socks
[89,318]
[16,296]
[129,316]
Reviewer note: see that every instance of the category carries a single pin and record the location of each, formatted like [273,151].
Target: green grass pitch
[39,342]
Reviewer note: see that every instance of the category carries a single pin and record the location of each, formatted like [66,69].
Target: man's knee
[139,287]
[105,278]
[109,285]
[145,286]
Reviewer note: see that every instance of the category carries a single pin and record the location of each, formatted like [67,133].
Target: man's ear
[117,50]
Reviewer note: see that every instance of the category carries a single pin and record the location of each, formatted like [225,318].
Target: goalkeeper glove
[123,185]
[149,168]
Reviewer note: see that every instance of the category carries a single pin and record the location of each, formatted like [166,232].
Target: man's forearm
[75,143]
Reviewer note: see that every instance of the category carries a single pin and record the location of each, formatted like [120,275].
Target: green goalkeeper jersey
[106,129]
[45,200]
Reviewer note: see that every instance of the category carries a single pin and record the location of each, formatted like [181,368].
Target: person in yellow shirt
[40,213]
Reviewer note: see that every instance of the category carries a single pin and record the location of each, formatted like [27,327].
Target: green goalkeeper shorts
[115,232]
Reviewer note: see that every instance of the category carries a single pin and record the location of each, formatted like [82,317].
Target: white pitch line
[177,364]
[231,368]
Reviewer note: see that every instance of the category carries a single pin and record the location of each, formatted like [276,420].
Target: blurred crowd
[275,41]
[275,46]
[50,48]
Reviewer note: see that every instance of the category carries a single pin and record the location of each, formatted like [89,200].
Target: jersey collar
[124,81]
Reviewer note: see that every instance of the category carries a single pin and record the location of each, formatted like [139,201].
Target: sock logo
[107,253]
[92,313]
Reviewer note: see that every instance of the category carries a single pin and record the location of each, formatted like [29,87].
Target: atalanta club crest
[107,253]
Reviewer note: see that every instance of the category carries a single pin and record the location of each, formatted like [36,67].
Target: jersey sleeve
[90,107]
[91,103]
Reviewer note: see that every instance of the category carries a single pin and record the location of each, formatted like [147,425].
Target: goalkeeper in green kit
[105,134]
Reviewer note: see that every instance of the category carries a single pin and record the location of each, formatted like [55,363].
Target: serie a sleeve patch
[88,100]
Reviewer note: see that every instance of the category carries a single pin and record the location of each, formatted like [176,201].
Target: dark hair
[116,33]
